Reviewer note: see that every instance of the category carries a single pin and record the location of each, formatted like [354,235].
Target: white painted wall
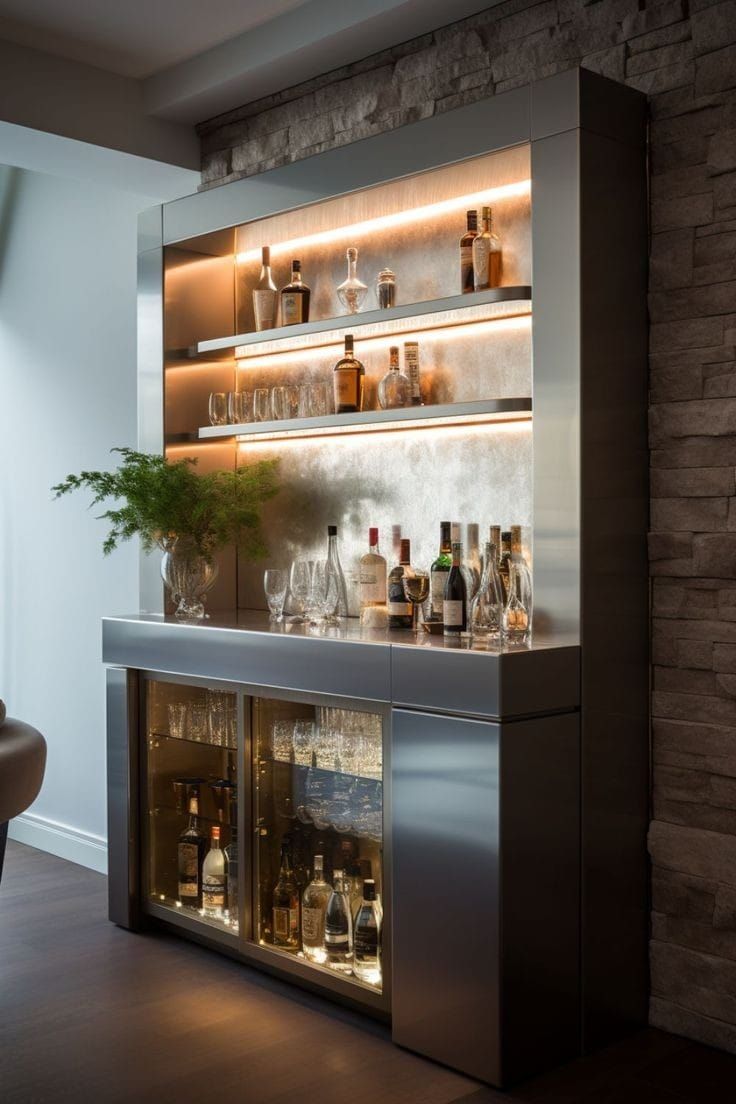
[67,394]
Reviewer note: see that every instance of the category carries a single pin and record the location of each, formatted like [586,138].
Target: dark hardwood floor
[91,1013]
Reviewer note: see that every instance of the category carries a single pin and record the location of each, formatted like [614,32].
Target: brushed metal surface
[123,798]
[150,384]
[495,123]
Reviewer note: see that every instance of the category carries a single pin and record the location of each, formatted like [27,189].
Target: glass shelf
[455,310]
[221,922]
[303,767]
[483,412]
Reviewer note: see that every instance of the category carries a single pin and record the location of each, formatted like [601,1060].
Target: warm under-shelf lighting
[398,218]
[462,425]
[333,340]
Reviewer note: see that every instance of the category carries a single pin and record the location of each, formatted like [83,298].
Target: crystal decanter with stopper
[395,388]
[351,292]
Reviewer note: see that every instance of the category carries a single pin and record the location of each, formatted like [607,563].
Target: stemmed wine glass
[416,589]
[274,585]
[300,585]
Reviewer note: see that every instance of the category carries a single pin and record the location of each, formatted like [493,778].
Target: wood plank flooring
[89,1012]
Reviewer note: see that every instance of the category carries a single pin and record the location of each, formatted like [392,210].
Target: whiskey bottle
[339,928]
[486,255]
[314,907]
[286,904]
[348,381]
[411,366]
[399,608]
[372,574]
[466,253]
[439,571]
[394,390]
[295,298]
[192,843]
[367,939]
[265,295]
[455,604]
[214,878]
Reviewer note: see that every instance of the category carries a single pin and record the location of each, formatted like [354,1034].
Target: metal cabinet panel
[123,816]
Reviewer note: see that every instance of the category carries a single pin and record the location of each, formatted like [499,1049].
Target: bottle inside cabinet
[319,824]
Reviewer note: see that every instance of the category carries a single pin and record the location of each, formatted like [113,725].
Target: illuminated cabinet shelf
[484,412]
[432,314]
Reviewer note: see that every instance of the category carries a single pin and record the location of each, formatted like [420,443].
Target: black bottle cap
[296,266]
[506,536]
[332,531]
[369,890]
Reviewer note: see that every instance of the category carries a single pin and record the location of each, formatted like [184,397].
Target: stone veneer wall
[684,57]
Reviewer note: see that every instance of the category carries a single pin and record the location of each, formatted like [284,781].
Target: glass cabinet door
[192,791]
[319,836]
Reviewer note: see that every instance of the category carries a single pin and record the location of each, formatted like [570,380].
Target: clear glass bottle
[394,390]
[439,571]
[286,904]
[486,255]
[295,298]
[466,252]
[411,371]
[339,928]
[372,574]
[265,294]
[516,614]
[504,559]
[314,907]
[190,854]
[486,610]
[455,604]
[231,860]
[386,289]
[214,876]
[333,560]
[351,292]
[367,941]
[399,607]
[348,378]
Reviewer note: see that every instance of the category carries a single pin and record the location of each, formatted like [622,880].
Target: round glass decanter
[188,576]
[351,292]
[395,388]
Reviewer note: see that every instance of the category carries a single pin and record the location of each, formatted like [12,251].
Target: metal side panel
[123,814]
[445,890]
[347,668]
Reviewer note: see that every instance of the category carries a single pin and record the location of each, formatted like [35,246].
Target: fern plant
[160,500]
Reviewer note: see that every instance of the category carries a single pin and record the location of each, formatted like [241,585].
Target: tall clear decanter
[517,615]
[351,292]
[335,567]
[487,609]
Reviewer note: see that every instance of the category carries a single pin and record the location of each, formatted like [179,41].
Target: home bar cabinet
[498,799]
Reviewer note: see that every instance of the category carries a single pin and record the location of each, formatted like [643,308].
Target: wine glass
[416,589]
[275,586]
[323,596]
[300,585]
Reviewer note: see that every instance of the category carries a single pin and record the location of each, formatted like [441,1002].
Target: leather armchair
[22,766]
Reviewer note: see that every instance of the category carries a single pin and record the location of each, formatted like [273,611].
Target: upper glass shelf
[432,314]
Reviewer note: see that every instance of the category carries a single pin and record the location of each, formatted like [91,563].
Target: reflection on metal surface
[397,218]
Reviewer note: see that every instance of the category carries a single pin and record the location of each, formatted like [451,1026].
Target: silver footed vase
[188,576]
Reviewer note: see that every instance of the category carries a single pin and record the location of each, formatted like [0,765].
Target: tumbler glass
[275,587]
[261,404]
[218,408]
[235,407]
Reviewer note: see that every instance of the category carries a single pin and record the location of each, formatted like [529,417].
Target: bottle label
[481,262]
[452,613]
[399,609]
[439,580]
[292,307]
[264,307]
[346,387]
[338,941]
[189,862]
[372,587]
[366,942]
[312,925]
[285,923]
[213,891]
[411,359]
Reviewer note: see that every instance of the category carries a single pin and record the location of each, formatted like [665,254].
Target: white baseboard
[59,839]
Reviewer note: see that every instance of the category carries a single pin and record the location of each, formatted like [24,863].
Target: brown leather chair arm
[22,765]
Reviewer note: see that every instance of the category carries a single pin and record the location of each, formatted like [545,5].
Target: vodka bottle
[214,878]
[314,907]
[367,943]
[339,928]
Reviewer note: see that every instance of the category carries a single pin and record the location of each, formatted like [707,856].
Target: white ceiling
[134,38]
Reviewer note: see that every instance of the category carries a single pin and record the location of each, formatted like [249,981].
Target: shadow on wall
[9,184]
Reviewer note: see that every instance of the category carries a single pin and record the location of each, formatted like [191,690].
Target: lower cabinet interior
[264,829]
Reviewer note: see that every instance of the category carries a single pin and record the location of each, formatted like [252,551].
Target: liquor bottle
[517,611]
[372,574]
[367,940]
[286,904]
[486,255]
[265,295]
[466,253]
[314,907]
[231,860]
[486,611]
[411,371]
[495,539]
[339,928]
[295,298]
[399,608]
[333,560]
[439,571]
[214,878]
[504,558]
[351,292]
[192,843]
[395,388]
[523,575]
[455,604]
[456,538]
[472,558]
[348,378]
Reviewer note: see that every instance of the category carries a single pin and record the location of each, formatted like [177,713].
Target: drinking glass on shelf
[275,586]
[261,404]
[304,743]
[246,399]
[323,594]
[416,589]
[317,798]
[282,741]
[178,720]
[218,703]
[280,404]
[292,392]
[218,408]
[235,407]
[305,401]
[321,400]
[198,722]
[300,585]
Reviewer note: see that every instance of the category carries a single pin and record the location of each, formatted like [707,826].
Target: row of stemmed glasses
[314,591]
